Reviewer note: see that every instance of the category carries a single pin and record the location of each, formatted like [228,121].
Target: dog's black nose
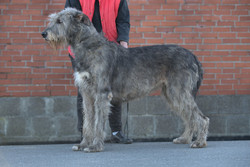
[44,34]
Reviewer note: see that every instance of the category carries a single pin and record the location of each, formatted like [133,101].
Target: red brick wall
[217,31]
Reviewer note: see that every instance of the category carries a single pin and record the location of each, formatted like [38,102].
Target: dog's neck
[90,42]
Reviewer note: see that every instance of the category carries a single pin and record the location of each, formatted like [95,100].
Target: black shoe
[119,138]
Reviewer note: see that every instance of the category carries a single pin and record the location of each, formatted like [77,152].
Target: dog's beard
[55,42]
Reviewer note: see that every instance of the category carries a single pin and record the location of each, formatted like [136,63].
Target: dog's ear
[82,18]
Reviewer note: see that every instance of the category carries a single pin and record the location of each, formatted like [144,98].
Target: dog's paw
[181,140]
[92,149]
[76,148]
[198,144]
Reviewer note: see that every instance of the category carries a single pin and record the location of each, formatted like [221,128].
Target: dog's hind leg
[201,126]
[182,102]
[102,110]
[176,103]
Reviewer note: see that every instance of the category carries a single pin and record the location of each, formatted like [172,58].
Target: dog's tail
[200,72]
[200,78]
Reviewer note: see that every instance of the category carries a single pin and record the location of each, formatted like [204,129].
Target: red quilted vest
[108,14]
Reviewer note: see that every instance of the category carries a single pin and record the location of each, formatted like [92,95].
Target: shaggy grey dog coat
[105,72]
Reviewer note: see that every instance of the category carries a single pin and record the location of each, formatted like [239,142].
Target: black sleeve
[123,22]
[74,4]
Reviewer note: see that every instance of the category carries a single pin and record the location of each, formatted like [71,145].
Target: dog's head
[66,27]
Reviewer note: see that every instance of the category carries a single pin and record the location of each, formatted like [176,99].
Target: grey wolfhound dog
[105,72]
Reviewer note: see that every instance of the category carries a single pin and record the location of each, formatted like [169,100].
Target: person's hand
[124,44]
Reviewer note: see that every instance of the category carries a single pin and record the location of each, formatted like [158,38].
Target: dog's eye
[58,21]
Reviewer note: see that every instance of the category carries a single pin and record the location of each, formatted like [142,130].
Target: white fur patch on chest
[81,78]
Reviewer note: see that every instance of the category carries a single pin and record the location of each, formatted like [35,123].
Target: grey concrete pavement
[146,154]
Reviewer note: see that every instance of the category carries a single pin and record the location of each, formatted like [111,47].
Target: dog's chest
[82,79]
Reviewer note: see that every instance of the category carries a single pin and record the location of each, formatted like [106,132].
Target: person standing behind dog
[112,18]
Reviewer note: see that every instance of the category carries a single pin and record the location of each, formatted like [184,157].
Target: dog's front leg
[102,110]
[88,122]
